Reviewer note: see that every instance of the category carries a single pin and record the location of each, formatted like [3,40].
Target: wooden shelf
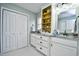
[46,23]
[46,19]
[46,14]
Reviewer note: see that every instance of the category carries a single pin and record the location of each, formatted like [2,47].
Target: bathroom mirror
[67,21]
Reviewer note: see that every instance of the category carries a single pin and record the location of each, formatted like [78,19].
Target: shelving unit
[46,19]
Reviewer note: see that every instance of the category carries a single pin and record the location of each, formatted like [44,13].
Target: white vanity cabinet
[63,47]
[41,43]
[55,46]
[62,50]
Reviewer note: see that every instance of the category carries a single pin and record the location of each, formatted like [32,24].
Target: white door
[14,31]
[62,50]
[21,30]
[4,34]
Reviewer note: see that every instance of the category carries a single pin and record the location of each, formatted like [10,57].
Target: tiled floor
[27,51]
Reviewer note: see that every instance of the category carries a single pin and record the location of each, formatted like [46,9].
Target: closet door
[18,24]
[24,31]
[21,29]
[14,30]
[4,41]
[8,31]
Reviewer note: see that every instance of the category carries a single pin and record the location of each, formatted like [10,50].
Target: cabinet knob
[40,47]
[40,42]
[51,44]
[40,37]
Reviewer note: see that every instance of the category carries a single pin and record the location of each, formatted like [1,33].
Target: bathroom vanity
[55,46]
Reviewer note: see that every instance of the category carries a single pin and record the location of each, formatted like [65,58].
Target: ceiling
[33,7]
[66,7]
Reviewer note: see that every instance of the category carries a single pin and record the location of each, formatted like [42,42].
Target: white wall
[77,14]
[54,18]
[0,28]
[38,21]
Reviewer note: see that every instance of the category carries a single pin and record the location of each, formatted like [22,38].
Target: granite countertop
[43,34]
[69,38]
[59,36]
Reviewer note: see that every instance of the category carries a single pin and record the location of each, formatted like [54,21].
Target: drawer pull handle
[40,42]
[51,45]
[40,37]
[40,48]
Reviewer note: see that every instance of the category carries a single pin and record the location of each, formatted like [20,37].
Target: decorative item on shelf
[55,33]
[48,10]
[46,19]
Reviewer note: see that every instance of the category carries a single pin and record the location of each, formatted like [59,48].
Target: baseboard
[14,50]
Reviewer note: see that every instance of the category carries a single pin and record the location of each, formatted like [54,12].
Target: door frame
[11,10]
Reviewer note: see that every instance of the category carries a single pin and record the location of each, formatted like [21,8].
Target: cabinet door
[62,50]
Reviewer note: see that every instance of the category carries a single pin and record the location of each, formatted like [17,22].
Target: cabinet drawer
[33,41]
[40,42]
[37,36]
[40,37]
[42,49]
[33,44]
[43,43]
[45,38]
